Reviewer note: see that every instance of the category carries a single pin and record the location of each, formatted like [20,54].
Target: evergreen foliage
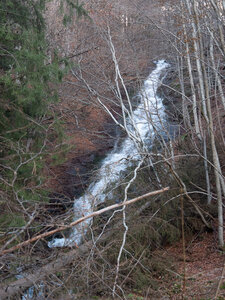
[72,6]
[28,124]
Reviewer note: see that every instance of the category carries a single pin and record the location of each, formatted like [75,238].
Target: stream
[147,119]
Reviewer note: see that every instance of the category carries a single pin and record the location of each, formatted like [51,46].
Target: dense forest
[112,117]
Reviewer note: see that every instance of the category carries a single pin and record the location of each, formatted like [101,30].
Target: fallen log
[17,287]
[80,220]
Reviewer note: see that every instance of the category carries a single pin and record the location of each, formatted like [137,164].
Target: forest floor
[204,273]
[204,269]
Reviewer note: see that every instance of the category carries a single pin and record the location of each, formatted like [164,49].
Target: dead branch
[80,220]
[9,291]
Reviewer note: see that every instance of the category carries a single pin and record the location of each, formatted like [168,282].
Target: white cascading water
[149,111]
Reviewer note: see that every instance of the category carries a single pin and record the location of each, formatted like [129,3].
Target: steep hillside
[74,82]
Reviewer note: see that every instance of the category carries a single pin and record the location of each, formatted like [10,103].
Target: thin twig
[80,220]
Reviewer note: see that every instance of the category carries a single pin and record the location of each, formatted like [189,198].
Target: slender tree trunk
[209,195]
[190,71]
[204,83]
[217,76]
[197,58]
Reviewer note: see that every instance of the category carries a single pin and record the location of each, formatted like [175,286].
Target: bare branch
[80,220]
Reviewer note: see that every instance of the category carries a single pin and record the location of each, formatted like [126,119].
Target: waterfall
[148,118]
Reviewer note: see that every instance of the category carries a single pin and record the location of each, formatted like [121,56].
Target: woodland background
[68,70]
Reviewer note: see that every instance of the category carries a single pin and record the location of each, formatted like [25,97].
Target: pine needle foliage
[69,7]
[28,89]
